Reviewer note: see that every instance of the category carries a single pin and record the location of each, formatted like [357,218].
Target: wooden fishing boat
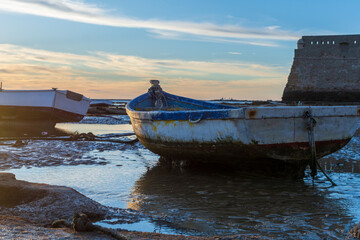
[41,107]
[198,131]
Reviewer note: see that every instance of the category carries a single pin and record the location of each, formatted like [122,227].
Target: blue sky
[201,49]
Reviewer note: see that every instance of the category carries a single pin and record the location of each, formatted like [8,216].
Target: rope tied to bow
[310,124]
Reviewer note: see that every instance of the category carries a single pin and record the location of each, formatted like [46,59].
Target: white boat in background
[41,107]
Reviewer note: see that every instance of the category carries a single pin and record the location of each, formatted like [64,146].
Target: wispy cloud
[88,13]
[235,53]
[101,74]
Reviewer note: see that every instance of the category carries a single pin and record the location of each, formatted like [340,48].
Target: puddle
[142,226]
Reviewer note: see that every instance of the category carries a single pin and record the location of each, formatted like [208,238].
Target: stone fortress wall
[325,68]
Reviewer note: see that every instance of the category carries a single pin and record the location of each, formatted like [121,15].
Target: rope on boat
[72,137]
[310,124]
[314,164]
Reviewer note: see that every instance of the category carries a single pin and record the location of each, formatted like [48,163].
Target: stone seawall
[325,68]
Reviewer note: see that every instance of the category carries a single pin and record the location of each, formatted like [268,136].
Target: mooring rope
[310,124]
[314,164]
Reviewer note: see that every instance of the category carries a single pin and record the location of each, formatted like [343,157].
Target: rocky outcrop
[325,68]
[42,203]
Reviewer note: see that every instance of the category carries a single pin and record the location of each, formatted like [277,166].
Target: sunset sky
[203,49]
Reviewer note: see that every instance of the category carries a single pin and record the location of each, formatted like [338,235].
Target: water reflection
[222,203]
[346,159]
[96,129]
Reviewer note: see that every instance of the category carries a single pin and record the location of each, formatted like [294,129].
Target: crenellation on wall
[325,68]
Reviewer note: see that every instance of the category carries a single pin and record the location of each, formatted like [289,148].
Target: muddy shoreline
[28,209]
[205,203]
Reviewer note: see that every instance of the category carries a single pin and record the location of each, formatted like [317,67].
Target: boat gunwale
[211,111]
[229,112]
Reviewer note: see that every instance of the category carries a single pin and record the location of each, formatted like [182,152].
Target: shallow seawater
[95,128]
[196,201]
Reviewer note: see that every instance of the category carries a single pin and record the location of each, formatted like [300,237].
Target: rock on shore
[42,203]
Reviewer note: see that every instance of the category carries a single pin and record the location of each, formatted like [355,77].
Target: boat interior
[169,102]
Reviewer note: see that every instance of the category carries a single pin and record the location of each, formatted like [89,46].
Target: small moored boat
[41,107]
[181,128]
